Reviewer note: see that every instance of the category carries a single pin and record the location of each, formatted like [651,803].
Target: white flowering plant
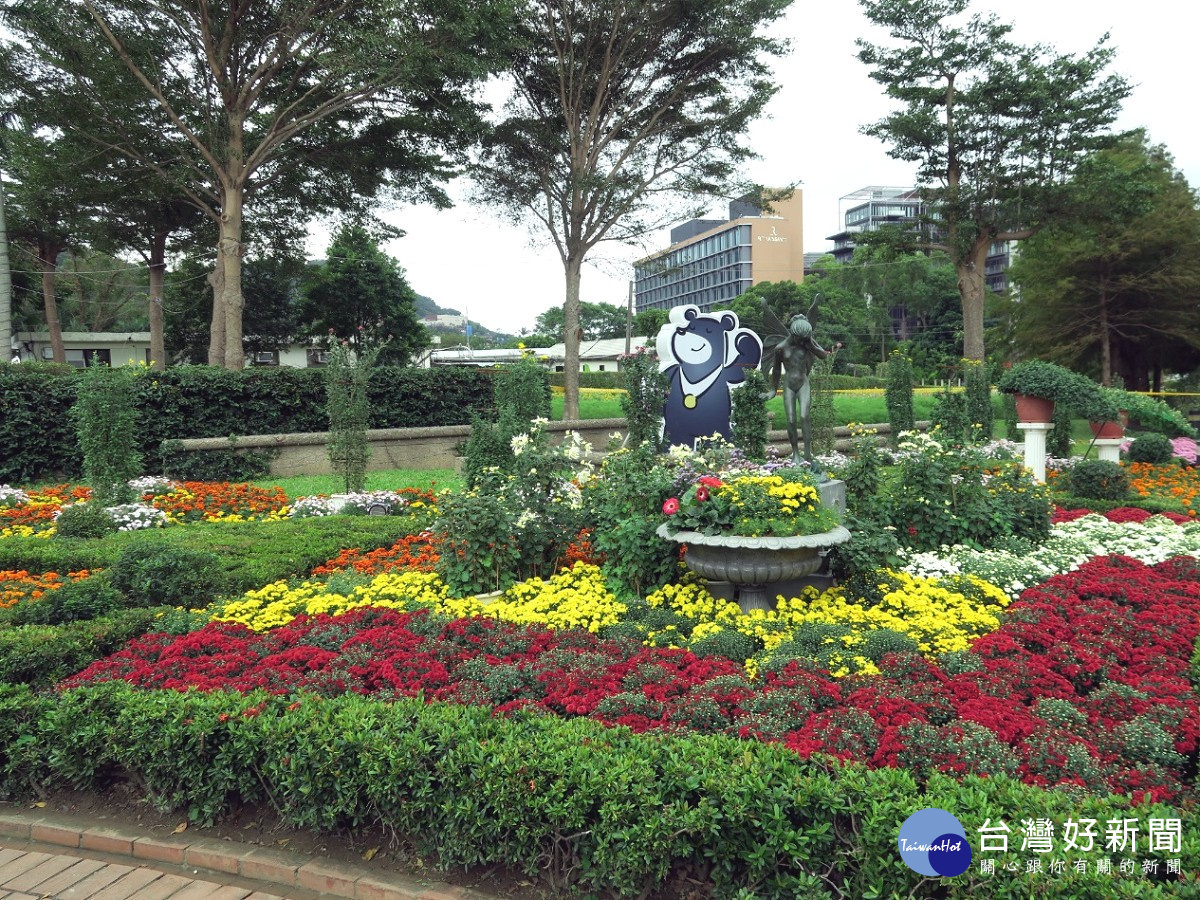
[136,516]
[11,496]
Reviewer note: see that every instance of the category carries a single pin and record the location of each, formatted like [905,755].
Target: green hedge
[204,401]
[40,655]
[250,554]
[588,808]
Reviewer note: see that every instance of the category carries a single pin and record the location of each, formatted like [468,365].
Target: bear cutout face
[702,341]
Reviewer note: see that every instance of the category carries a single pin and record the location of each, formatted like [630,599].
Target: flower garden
[522,673]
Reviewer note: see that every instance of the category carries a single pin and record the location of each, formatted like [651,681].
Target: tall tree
[360,295]
[617,108]
[1114,288]
[995,128]
[47,215]
[235,88]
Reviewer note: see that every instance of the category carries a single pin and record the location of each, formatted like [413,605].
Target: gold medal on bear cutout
[690,401]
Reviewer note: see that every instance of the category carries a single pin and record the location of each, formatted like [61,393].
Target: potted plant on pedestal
[1037,386]
[753,530]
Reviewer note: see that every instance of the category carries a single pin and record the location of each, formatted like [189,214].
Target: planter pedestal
[1109,448]
[1035,448]
[754,566]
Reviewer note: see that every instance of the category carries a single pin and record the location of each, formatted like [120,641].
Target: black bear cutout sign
[705,356]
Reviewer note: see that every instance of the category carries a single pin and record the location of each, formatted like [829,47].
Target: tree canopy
[360,295]
[318,99]
[1114,288]
[596,321]
[621,113]
[995,128]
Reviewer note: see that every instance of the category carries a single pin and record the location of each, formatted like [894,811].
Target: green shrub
[40,655]
[728,644]
[76,601]
[346,380]
[898,395]
[164,575]
[523,387]
[950,417]
[600,811]
[106,426]
[1060,442]
[978,393]
[645,392]
[1151,448]
[749,415]
[84,520]
[1098,479]
[821,416]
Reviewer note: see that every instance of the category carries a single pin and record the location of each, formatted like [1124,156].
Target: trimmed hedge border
[587,807]
[205,401]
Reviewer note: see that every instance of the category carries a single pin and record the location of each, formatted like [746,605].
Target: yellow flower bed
[574,598]
[939,615]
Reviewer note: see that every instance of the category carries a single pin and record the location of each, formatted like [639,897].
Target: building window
[317,357]
[265,358]
[81,358]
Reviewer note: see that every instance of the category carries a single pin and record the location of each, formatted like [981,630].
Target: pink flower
[671,506]
[702,493]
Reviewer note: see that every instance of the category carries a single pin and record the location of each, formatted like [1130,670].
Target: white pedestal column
[1109,448]
[1035,448]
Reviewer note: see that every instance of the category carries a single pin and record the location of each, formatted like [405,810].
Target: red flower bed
[1120,514]
[1086,682]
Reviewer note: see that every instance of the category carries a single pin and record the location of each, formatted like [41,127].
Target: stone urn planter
[752,564]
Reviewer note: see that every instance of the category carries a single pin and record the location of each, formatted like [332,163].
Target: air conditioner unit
[265,356]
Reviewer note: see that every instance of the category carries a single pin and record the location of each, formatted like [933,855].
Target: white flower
[519,444]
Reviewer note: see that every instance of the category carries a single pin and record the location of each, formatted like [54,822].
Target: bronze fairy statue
[791,350]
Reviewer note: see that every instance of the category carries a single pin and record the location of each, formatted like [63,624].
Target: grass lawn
[849,406]
[387,480]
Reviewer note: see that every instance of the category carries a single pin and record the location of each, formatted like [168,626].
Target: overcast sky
[504,276]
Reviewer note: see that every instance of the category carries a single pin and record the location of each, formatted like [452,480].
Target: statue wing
[772,324]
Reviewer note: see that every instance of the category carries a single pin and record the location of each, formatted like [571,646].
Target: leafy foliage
[346,379]
[1098,479]
[106,422]
[993,127]
[898,395]
[360,295]
[645,393]
[749,415]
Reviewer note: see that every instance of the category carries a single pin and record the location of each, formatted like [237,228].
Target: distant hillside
[427,307]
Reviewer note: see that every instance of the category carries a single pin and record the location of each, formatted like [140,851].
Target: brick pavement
[52,856]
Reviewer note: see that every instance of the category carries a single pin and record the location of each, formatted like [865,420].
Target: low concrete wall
[433,448]
[391,448]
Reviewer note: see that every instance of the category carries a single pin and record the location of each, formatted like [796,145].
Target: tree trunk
[972,288]
[572,335]
[158,268]
[216,332]
[1106,367]
[47,254]
[229,259]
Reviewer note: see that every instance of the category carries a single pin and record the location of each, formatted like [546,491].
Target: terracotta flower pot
[1108,429]
[1034,409]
